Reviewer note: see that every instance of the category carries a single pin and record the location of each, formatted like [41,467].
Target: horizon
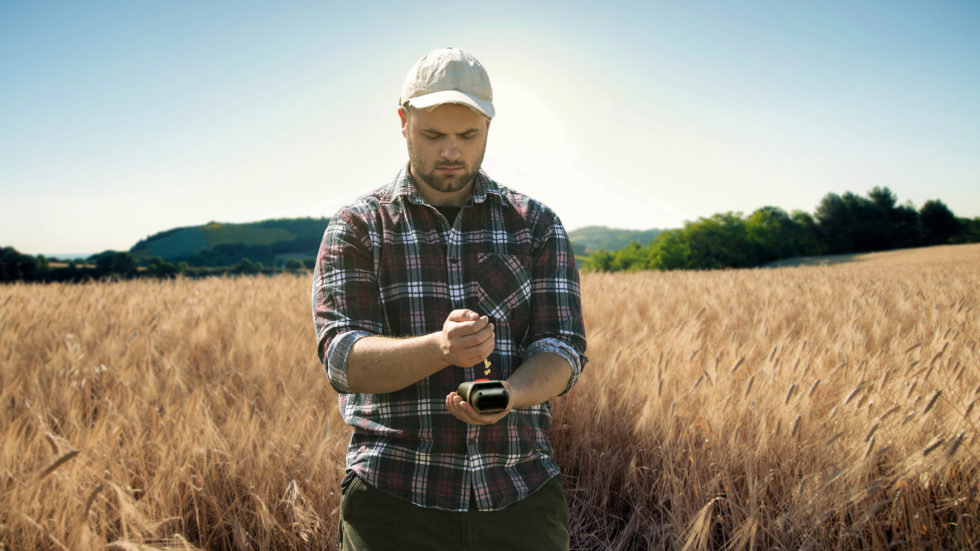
[124,120]
[84,255]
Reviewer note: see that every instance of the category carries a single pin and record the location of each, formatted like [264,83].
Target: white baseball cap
[448,75]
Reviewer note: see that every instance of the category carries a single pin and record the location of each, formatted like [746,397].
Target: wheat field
[814,407]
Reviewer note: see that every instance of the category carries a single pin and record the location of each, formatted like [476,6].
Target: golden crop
[817,407]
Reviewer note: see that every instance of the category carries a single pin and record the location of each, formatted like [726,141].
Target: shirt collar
[405,186]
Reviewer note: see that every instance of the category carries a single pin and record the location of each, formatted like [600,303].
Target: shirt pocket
[504,286]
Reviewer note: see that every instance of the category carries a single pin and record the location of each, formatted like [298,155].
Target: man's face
[445,148]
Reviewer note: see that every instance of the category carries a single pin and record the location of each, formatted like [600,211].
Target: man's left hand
[463,411]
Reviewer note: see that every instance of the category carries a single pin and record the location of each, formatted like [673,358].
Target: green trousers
[371,520]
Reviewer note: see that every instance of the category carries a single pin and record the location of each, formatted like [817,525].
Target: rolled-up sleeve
[336,362]
[557,325]
[555,346]
[345,295]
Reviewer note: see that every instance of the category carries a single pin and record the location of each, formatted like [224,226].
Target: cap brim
[452,96]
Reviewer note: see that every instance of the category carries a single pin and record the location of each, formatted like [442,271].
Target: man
[416,284]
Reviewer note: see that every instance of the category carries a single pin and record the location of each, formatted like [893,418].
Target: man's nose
[450,152]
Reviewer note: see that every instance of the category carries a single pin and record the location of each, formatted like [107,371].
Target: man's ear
[403,115]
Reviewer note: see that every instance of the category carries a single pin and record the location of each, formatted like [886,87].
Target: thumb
[463,315]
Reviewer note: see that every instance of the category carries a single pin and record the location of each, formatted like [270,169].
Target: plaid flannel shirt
[391,264]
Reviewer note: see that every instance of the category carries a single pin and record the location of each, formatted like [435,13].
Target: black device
[485,396]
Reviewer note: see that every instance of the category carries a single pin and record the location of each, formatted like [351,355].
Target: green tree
[937,224]
[114,263]
[836,217]
[806,234]
[669,251]
[599,261]
[15,266]
[772,231]
[246,266]
[159,267]
[721,241]
[632,257]
[850,223]
[969,231]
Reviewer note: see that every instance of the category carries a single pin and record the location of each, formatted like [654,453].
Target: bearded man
[440,277]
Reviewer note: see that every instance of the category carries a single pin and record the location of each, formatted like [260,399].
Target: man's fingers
[468,328]
[465,412]
[477,338]
[473,348]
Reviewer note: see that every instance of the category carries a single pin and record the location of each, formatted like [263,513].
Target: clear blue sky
[121,119]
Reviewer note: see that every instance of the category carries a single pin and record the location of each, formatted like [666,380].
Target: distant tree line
[842,224]
[223,259]
[229,254]
[114,265]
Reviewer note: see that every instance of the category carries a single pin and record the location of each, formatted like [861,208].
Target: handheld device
[484,395]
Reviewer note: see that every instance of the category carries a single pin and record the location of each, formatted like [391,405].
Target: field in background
[807,407]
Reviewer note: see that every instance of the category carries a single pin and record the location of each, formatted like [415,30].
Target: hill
[601,238]
[219,244]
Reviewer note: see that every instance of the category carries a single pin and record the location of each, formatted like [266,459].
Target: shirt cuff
[337,354]
[563,349]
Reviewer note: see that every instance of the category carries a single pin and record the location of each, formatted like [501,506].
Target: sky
[122,119]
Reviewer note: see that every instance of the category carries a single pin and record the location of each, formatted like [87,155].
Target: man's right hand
[466,338]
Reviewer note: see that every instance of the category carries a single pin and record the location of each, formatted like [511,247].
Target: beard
[429,175]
